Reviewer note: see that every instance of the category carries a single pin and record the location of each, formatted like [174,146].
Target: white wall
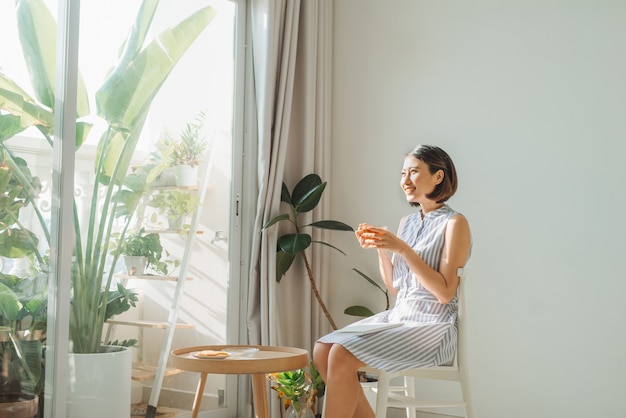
[529,99]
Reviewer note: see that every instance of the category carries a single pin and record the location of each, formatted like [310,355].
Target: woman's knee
[320,356]
[340,358]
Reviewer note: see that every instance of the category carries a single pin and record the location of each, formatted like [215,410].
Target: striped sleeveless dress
[428,334]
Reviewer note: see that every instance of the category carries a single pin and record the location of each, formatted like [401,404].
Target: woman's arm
[385,265]
[442,283]
[386,271]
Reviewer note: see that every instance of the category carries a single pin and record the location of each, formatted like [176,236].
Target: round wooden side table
[269,359]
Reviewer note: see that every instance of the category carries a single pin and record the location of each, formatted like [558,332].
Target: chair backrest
[461,354]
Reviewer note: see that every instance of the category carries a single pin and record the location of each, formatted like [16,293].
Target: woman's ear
[439,175]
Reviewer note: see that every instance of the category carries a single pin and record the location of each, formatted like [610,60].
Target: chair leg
[382,394]
[467,398]
[409,384]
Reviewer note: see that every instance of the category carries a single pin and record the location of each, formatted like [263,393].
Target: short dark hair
[437,159]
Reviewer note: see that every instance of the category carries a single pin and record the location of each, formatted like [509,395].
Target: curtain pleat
[291,50]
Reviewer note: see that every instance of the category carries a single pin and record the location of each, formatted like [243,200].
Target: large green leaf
[307,193]
[330,245]
[29,113]
[10,305]
[283,262]
[285,196]
[38,30]
[123,97]
[294,243]
[272,221]
[16,242]
[333,225]
[358,310]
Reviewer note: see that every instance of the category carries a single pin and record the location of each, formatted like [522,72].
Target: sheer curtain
[291,51]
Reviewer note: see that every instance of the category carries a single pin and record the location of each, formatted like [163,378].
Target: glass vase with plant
[295,389]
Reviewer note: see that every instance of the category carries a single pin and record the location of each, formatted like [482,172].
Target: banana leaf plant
[123,101]
[305,197]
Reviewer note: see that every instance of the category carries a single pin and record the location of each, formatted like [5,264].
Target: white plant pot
[186,175]
[175,222]
[166,178]
[99,384]
[135,264]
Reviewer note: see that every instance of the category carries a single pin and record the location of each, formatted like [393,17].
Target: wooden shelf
[170,231]
[141,371]
[151,277]
[149,324]
[157,188]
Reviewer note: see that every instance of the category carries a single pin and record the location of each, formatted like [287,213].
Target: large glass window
[184,68]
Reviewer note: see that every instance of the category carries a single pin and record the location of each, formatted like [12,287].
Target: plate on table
[210,354]
[241,351]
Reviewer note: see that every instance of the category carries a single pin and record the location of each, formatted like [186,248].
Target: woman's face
[417,181]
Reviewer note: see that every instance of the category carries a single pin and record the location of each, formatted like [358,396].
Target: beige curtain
[291,49]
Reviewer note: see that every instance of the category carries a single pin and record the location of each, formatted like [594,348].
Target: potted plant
[176,204]
[142,250]
[186,153]
[304,198]
[123,102]
[23,297]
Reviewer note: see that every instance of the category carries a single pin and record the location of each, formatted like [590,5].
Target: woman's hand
[378,237]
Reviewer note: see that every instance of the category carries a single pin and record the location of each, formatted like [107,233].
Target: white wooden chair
[403,396]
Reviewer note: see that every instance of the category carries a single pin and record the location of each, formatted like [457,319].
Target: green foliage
[119,301]
[305,197]
[292,386]
[174,202]
[191,146]
[297,386]
[131,342]
[18,189]
[144,245]
[123,102]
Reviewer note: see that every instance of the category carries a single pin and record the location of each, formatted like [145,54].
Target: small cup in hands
[369,235]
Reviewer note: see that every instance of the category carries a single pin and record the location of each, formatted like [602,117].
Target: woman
[431,245]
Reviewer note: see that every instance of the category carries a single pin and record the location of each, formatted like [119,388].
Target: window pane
[197,93]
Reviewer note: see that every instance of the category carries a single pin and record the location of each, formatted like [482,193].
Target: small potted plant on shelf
[177,204]
[186,154]
[141,251]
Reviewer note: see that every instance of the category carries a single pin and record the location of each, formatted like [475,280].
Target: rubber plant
[123,102]
[304,198]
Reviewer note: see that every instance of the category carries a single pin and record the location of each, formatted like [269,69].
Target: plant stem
[317,293]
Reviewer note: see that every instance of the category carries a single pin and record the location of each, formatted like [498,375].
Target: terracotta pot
[18,405]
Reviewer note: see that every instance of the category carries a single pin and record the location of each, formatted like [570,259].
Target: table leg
[261,406]
[199,393]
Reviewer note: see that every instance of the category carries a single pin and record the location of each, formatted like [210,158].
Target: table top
[268,359]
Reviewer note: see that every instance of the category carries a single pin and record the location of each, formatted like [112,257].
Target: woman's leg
[344,396]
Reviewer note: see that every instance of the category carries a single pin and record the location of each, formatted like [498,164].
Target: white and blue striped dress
[428,334]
